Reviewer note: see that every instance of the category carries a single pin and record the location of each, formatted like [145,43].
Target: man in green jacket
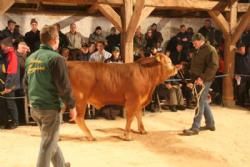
[47,84]
[204,65]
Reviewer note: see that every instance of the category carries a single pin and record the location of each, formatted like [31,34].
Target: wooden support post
[244,21]
[5,5]
[127,47]
[132,19]
[227,26]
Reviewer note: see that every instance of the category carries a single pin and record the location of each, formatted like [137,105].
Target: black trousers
[3,112]
[20,106]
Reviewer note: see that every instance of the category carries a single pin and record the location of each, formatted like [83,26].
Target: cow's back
[103,83]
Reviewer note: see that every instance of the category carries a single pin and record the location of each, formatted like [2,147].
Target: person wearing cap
[12,81]
[11,32]
[47,85]
[115,58]
[97,35]
[204,65]
[242,67]
[32,38]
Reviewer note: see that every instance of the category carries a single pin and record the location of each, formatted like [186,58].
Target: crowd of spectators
[15,47]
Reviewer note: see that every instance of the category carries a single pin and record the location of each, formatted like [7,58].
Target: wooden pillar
[228,89]
[132,17]
[126,46]
[229,58]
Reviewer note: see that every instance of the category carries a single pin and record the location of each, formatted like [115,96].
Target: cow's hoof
[91,138]
[126,138]
[143,132]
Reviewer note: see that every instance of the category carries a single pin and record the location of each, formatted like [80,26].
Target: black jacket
[33,40]
[242,64]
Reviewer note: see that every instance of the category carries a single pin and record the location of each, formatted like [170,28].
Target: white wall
[86,24]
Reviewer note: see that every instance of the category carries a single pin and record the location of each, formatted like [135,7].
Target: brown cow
[130,85]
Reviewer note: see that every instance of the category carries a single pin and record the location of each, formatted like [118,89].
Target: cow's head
[168,69]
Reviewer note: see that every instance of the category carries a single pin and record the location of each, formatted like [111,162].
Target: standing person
[204,65]
[11,82]
[242,70]
[11,32]
[47,84]
[32,38]
[156,34]
[3,106]
[22,51]
[208,31]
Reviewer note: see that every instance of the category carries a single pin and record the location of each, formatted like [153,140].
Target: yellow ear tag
[3,68]
[158,58]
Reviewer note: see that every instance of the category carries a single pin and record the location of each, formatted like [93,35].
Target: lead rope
[197,96]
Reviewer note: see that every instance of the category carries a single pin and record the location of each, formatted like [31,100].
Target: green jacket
[46,80]
[205,63]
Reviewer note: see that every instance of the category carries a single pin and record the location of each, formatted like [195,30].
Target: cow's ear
[158,58]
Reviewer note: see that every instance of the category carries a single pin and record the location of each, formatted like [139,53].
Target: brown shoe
[190,132]
[207,128]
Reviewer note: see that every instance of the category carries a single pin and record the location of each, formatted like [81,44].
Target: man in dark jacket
[3,106]
[47,83]
[208,32]
[204,65]
[113,39]
[11,82]
[63,39]
[11,32]
[32,38]
[242,67]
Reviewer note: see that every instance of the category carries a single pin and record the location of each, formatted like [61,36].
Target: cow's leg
[131,109]
[81,108]
[139,122]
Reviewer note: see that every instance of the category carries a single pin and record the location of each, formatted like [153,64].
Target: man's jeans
[49,122]
[204,108]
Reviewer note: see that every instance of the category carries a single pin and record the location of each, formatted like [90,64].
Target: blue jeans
[204,108]
[49,123]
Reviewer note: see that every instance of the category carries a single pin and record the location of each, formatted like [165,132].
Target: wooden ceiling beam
[111,15]
[139,5]
[93,9]
[220,21]
[242,25]
[5,5]
[163,4]
[145,13]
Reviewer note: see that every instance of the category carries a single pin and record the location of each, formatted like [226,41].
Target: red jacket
[12,69]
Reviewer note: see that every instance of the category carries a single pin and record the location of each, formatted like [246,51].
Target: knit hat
[198,37]
[33,21]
